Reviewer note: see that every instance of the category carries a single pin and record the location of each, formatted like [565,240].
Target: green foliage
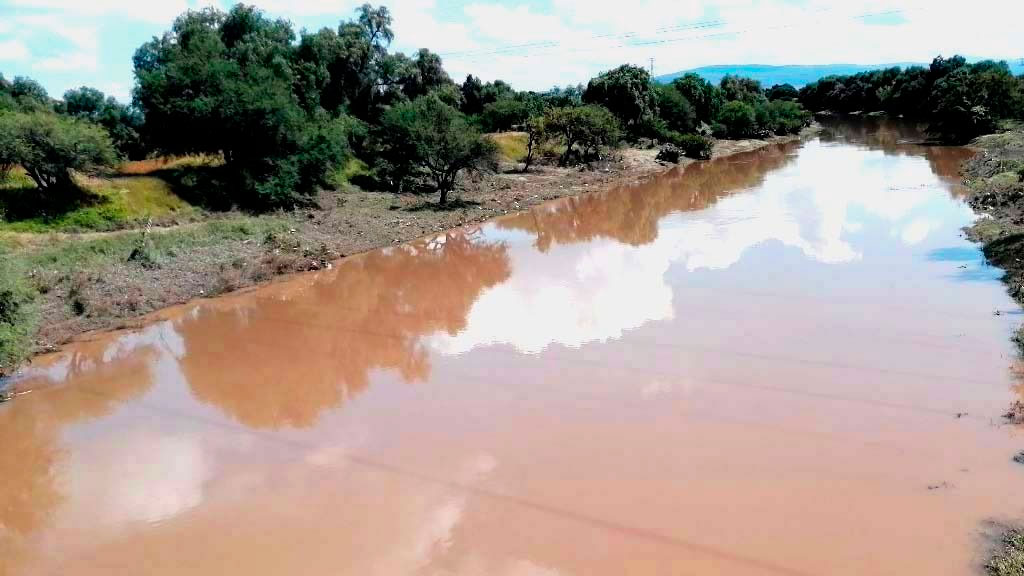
[536,136]
[782,92]
[123,123]
[592,127]
[737,88]
[626,92]
[706,98]
[564,97]
[504,115]
[957,99]
[1009,561]
[431,136]
[18,316]
[738,119]
[677,112]
[51,147]
[785,117]
[696,146]
[234,83]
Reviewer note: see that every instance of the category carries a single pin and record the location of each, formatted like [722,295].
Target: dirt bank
[100,281]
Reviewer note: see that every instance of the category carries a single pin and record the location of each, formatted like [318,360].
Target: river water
[783,362]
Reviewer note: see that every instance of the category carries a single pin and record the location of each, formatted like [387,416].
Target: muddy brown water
[783,362]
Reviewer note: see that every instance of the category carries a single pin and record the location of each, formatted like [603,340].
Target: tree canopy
[958,99]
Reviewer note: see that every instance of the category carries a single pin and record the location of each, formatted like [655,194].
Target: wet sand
[780,362]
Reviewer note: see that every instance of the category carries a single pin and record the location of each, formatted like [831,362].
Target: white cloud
[13,50]
[574,295]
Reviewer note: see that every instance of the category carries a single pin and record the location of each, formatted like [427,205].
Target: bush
[697,147]
[738,119]
[786,117]
[669,153]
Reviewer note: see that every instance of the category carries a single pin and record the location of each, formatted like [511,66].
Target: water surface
[783,362]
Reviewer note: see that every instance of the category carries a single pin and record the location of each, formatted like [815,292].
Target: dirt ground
[117,290]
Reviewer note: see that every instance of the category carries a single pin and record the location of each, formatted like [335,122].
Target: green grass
[100,205]
[19,316]
[65,255]
[1009,561]
[353,168]
[511,145]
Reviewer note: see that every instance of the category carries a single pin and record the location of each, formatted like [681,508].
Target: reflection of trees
[891,135]
[31,426]
[898,137]
[280,356]
[631,214]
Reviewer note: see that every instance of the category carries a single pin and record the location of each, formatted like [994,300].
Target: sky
[535,44]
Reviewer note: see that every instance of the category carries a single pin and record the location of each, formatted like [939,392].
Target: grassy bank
[995,180]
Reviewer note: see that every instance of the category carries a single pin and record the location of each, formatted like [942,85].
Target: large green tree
[231,84]
[52,148]
[434,137]
[591,127]
[626,92]
[705,97]
[124,123]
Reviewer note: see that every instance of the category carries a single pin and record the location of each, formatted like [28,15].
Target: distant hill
[793,74]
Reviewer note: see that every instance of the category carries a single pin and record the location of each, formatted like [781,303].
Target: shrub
[697,147]
[738,119]
[669,153]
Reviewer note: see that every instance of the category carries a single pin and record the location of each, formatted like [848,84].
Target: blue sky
[535,44]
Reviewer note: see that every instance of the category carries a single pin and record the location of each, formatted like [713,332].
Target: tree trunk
[568,150]
[444,196]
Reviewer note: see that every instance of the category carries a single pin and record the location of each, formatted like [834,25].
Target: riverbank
[994,178]
[100,281]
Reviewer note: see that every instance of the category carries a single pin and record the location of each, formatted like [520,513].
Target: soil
[119,293]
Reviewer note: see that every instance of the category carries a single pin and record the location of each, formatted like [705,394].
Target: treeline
[957,99]
[285,111]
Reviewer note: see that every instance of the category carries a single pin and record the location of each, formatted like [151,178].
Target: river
[787,361]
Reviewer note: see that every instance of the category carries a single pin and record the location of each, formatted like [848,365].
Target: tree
[30,94]
[958,109]
[51,147]
[472,95]
[232,84]
[675,109]
[705,97]
[437,139]
[123,123]
[425,75]
[536,135]
[738,118]
[626,92]
[742,89]
[590,126]
[782,92]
